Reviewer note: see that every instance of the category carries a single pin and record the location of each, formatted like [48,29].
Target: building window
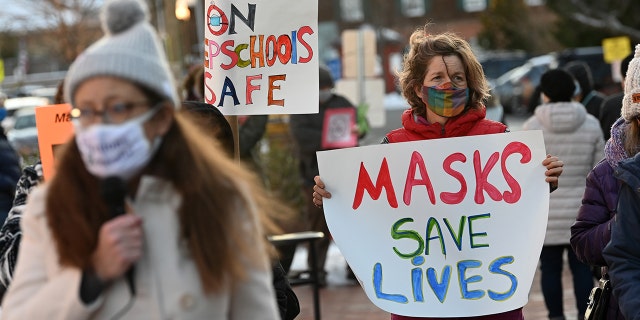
[473,5]
[351,10]
[534,3]
[413,8]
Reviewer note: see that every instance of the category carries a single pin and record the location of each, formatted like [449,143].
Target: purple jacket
[592,230]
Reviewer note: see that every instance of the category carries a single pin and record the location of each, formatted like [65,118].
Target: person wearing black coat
[306,131]
[9,175]
[610,108]
[589,97]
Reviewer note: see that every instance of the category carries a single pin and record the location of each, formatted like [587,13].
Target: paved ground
[344,300]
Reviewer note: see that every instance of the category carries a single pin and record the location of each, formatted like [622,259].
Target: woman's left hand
[554,170]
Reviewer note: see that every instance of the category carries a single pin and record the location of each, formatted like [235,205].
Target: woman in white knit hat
[622,254]
[143,219]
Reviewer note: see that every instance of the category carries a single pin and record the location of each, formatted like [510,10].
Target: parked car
[517,86]
[496,63]
[14,104]
[495,110]
[23,137]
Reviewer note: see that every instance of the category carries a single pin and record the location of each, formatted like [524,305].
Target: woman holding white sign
[445,86]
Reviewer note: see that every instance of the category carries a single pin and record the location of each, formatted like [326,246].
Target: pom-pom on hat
[631,100]
[130,49]
[558,85]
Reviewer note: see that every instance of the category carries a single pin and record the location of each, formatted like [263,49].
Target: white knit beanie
[130,49]
[631,100]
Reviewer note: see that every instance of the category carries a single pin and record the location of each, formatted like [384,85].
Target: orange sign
[54,129]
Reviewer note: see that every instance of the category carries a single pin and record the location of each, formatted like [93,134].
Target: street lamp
[182,10]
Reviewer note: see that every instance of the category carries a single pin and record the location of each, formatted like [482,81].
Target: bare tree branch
[605,18]
[71,24]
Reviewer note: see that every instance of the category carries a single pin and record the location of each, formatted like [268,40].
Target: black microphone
[114,190]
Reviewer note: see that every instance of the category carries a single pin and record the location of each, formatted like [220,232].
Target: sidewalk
[345,300]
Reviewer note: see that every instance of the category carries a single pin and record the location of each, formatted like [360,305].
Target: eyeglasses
[116,112]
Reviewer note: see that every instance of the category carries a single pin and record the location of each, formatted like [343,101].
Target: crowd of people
[150,214]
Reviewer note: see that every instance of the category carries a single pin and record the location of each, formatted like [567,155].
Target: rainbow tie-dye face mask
[445,100]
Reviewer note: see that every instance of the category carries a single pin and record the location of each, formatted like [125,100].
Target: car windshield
[26,121]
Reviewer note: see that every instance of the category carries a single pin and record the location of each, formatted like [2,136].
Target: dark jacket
[592,101]
[250,133]
[622,254]
[9,175]
[592,230]
[288,303]
[306,131]
[610,112]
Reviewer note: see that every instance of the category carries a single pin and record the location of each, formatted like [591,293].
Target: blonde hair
[632,138]
[423,48]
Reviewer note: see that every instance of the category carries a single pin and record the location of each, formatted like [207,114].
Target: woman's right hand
[319,192]
[119,247]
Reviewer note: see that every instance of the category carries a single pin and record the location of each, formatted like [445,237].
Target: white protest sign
[261,57]
[441,228]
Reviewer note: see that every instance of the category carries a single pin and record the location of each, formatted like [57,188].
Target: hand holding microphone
[119,247]
[120,240]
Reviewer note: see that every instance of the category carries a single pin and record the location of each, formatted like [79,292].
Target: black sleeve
[288,303]
[250,132]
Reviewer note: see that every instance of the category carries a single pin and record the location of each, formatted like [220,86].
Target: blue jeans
[551,264]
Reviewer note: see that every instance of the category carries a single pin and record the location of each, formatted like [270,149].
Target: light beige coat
[167,281]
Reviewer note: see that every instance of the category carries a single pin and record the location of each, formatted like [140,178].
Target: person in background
[575,136]
[192,88]
[3,110]
[589,97]
[592,229]
[181,235]
[9,167]
[622,253]
[306,131]
[9,174]
[10,233]
[445,86]
[214,121]
[251,128]
[611,106]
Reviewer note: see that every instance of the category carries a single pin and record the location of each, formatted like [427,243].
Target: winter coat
[250,132]
[622,254]
[10,234]
[610,112]
[306,131]
[575,137]
[167,280]
[469,123]
[9,175]
[591,231]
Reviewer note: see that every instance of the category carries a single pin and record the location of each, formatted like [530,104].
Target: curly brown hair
[423,48]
